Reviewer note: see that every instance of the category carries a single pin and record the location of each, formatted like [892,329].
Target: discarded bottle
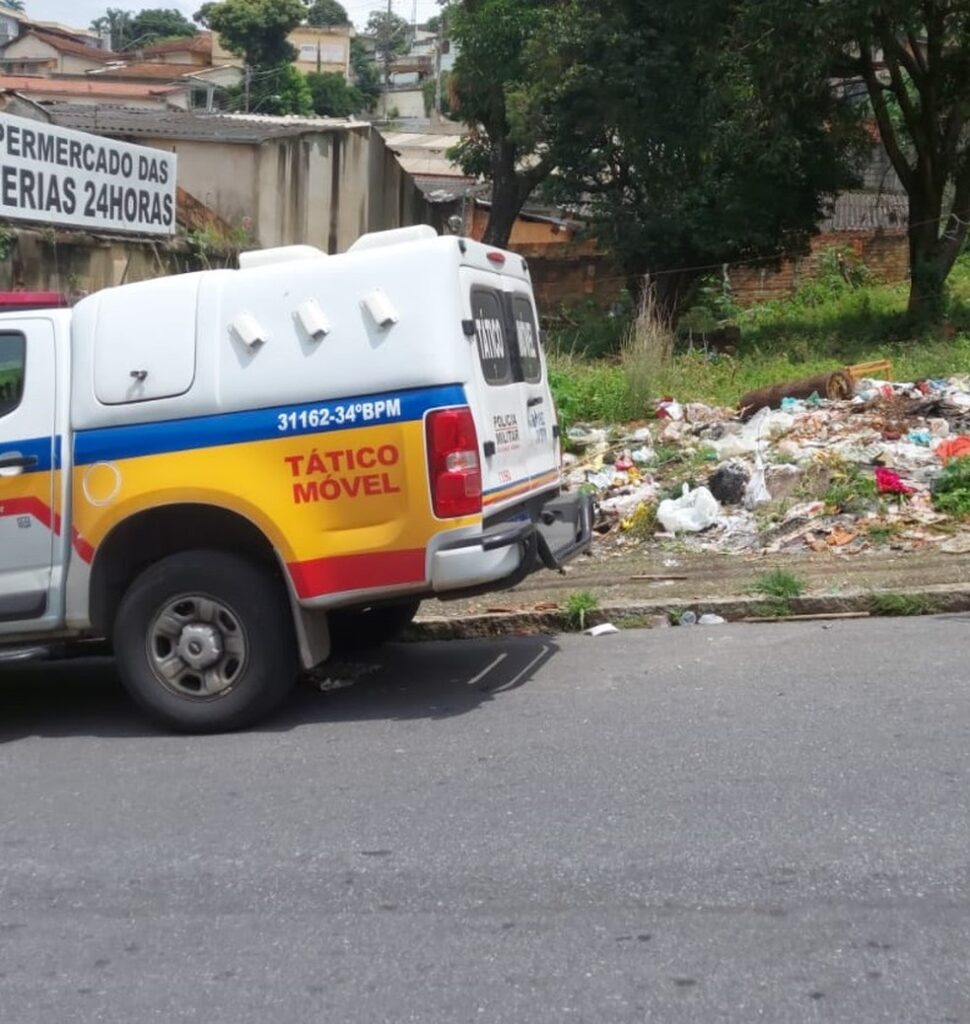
[688,619]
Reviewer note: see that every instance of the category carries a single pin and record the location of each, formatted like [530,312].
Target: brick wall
[886,254]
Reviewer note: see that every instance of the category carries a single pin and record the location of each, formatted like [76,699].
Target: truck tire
[205,643]
[358,629]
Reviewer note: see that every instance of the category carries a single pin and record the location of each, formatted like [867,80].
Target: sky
[81,13]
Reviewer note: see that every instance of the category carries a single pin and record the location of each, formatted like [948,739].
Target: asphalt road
[723,824]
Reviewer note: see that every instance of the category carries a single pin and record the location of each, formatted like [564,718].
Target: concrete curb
[645,614]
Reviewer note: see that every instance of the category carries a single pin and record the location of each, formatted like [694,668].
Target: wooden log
[835,385]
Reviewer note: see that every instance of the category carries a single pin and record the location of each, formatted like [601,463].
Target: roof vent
[282,254]
[397,236]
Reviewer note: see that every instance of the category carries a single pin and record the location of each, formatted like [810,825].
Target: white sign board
[75,179]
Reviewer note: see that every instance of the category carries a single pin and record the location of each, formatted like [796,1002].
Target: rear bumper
[556,531]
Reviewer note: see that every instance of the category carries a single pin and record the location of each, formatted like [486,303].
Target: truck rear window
[493,347]
[13,359]
[527,339]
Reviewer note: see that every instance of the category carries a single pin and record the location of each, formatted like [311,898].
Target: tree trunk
[931,257]
[509,193]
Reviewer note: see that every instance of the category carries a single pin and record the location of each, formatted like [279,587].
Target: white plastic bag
[692,512]
[756,493]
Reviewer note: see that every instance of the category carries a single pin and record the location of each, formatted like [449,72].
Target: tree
[392,34]
[366,74]
[154,23]
[13,5]
[912,58]
[256,30]
[116,24]
[324,13]
[278,90]
[506,99]
[332,96]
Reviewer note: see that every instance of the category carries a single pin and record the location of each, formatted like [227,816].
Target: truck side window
[493,348]
[13,360]
[527,339]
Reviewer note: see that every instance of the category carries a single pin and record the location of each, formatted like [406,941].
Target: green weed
[901,604]
[839,319]
[883,532]
[779,584]
[951,490]
[578,606]
[850,491]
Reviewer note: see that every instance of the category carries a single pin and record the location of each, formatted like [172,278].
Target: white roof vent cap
[281,254]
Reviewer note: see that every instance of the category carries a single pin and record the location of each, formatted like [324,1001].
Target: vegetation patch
[951,491]
[577,609]
[902,604]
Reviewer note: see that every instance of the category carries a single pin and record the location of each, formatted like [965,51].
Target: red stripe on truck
[31,507]
[357,572]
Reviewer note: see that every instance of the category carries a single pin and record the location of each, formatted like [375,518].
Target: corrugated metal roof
[868,211]
[183,124]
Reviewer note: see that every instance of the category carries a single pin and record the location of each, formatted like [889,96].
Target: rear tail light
[456,473]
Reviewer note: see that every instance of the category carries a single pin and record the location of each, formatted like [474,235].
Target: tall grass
[647,353]
[827,324]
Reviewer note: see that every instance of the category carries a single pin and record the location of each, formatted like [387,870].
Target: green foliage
[332,96]
[278,90]
[901,604]
[951,489]
[367,76]
[588,391]
[156,23]
[913,61]
[851,490]
[509,95]
[778,588]
[8,241]
[429,94]
[779,584]
[819,329]
[257,30]
[577,608]
[117,24]
[687,153]
[392,34]
[585,329]
[325,13]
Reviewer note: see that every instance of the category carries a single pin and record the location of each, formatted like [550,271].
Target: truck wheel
[358,629]
[205,643]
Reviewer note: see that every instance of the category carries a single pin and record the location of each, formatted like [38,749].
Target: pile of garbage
[846,474]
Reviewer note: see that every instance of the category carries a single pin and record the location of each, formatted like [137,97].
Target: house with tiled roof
[96,91]
[195,50]
[36,51]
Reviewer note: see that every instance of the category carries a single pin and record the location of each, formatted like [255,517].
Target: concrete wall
[225,177]
[323,188]
[407,102]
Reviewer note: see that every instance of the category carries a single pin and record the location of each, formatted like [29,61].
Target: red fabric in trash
[954,448]
[889,482]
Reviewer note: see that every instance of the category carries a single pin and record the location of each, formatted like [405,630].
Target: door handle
[535,400]
[17,461]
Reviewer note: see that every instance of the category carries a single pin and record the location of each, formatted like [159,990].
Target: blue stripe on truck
[112,443]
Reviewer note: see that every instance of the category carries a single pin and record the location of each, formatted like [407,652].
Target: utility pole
[247,75]
[387,54]
[437,66]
